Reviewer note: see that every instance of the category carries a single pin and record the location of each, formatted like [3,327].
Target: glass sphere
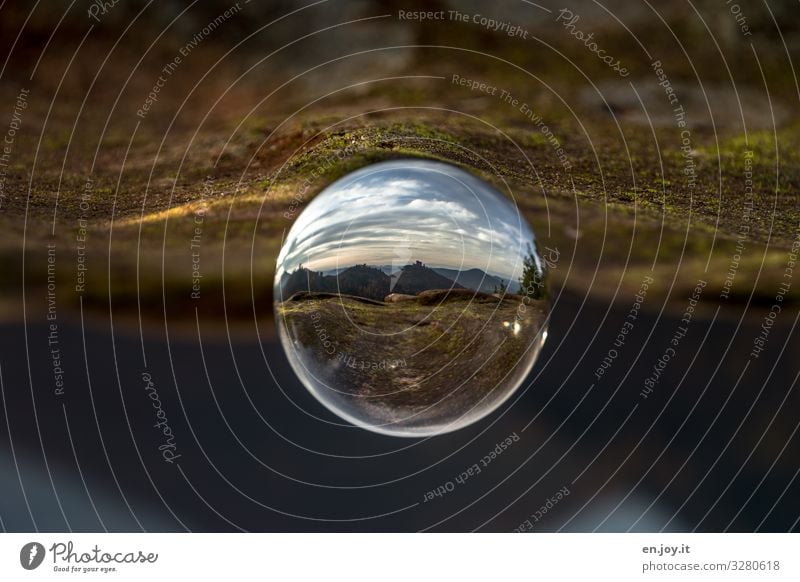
[410,298]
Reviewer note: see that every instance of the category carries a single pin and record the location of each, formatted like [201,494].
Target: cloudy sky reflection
[398,212]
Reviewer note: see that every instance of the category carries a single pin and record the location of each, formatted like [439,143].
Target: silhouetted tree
[532,280]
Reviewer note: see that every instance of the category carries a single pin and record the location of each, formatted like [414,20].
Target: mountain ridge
[376,282]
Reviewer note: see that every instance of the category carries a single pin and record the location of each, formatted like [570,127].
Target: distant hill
[474,279]
[362,281]
[478,280]
[413,279]
[358,280]
[377,282]
[305,280]
[388,269]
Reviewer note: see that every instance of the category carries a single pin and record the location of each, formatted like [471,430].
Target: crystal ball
[410,298]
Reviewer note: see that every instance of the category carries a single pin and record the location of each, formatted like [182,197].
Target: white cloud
[444,216]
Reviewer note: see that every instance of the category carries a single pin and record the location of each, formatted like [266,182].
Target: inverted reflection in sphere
[410,298]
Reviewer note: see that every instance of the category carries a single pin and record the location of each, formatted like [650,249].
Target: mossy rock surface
[594,161]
